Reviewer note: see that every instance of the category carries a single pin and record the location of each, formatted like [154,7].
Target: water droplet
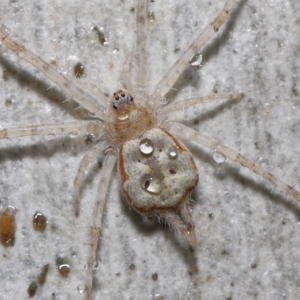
[93,129]
[146,146]
[151,184]
[218,157]
[81,289]
[173,152]
[43,275]
[32,288]
[132,267]
[64,270]
[8,227]
[123,115]
[73,134]
[196,60]
[151,20]
[48,137]
[39,222]
[96,265]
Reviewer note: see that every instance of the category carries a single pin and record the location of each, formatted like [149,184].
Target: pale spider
[102,194]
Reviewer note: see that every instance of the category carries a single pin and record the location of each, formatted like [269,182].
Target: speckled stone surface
[248,231]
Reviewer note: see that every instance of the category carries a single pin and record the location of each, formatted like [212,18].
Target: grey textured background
[248,232]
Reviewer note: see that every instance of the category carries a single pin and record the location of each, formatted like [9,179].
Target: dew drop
[63,266]
[64,270]
[48,137]
[93,129]
[123,115]
[151,20]
[43,275]
[96,265]
[173,152]
[81,289]
[73,134]
[196,60]
[218,157]
[146,146]
[7,227]
[39,222]
[32,288]
[151,184]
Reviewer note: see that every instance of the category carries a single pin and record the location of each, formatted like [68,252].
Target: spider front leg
[187,133]
[168,80]
[106,172]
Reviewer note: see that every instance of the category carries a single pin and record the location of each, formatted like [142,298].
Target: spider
[129,101]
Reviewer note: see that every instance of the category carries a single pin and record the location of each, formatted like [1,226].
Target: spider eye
[131,99]
[117,98]
[115,106]
[123,95]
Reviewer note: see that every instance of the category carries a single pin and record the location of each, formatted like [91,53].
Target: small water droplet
[64,270]
[43,275]
[123,115]
[48,137]
[151,184]
[196,60]
[39,222]
[146,146]
[81,289]
[73,134]
[93,129]
[173,152]
[96,265]
[8,227]
[32,288]
[218,157]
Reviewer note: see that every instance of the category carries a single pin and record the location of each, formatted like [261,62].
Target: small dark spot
[100,34]
[253,266]
[224,252]
[115,106]
[123,95]
[146,184]
[117,274]
[132,9]
[32,288]
[132,267]
[131,99]
[154,276]
[8,102]
[43,275]
[88,139]
[79,70]
[172,171]
[211,215]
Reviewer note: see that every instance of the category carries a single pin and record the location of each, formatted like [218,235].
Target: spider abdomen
[158,174]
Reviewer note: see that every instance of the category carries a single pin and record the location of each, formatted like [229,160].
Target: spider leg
[80,96]
[192,135]
[106,172]
[168,80]
[91,154]
[70,128]
[195,101]
[140,50]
